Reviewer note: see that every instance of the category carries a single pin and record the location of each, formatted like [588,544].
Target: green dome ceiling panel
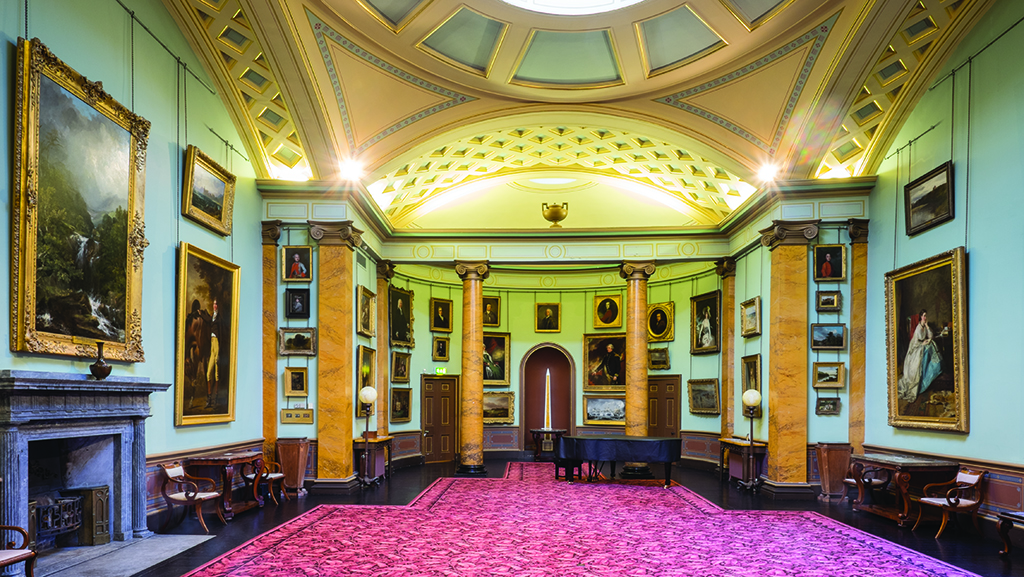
[753,13]
[674,38]
[569,60]
[394,13]
[468,39]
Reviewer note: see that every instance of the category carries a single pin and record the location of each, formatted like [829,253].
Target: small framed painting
[828,301]
[401,405]
[297,263]
[367,325]
[928,201]
[400,366]
[750,317]
[209,192]
[492,311]
[296,341]
[829,375]
[828,337]
[499,408]
[296,303]
[661,322]
[829,262]
[440,349]
[296,382]
[604,410]
[441,315]
[657,359]
[827,406]
[608,311]
[496,359]
[752,377]
[705,323]
[367,375]
[548,317]
[704,399]
[400,316]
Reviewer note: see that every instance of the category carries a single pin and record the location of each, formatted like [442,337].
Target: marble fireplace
[71,410]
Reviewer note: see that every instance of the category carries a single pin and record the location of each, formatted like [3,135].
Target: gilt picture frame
[751,378]
[79,178]
[207,337]
[492,310]
[496,361]
[705,323]
[608,311]
[828,301]
[926,343]
[605,357]
[366,324]
[366,376]
[441,315]
[829,262]
[704,396]
[928,200]
[400,366]
[297,263]
[750,317]
[661,322]
[208,195]
[440,349]
[604,410]
[828,375]
[296,382]
[547,317]
[828,336]
[400,316]
[296,341]
[658,359]
[401,405]
[827,406]
[499,407]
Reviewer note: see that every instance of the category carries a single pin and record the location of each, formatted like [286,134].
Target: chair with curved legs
[270,473]
[180,488]
[11,555]
[963,494]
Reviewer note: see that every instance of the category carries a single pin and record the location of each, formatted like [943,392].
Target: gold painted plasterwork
[645,57]
[486,72]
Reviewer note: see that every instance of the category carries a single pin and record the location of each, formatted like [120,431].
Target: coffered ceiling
[660,107]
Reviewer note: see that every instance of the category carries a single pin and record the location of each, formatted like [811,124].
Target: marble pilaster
[271,232]
[471,425]
[858,263]
[139,525]
[385,272]
[335,363]
[787,374]
[726,268]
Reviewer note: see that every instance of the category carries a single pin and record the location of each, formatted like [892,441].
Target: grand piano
[603,448]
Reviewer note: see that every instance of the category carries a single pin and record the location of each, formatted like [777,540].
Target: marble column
[471,425]
[788,381]
[271,232]
[139,526]
[385,272]
[858,265]
[335,362]
[726,268]
[637,401]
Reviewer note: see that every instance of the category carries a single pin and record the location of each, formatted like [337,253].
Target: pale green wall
[94,39]
[988,102]
[753,278]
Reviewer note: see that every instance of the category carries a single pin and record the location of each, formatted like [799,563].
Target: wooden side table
[378,458]
[227,463]
[540,452]
[741,448]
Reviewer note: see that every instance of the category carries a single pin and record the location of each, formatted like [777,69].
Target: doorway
[440,418]
[535,365]
[663,398]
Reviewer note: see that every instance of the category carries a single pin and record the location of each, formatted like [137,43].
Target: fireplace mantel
[48,405]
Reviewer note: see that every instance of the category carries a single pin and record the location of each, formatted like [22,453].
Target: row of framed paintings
[499,408]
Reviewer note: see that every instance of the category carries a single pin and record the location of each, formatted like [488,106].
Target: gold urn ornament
[554,213]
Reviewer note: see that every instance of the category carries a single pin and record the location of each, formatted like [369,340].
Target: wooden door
[663,400]
[440,408]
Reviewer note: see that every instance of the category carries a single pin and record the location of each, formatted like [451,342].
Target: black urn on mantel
[100,369]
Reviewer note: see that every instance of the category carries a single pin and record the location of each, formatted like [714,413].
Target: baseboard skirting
[789,491]
[333,486]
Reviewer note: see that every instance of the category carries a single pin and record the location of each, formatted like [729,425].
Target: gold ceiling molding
[751,23]
[230,45]
[710,191]
[910,50]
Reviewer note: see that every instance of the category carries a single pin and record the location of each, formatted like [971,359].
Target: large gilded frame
[942,304]
[35,60]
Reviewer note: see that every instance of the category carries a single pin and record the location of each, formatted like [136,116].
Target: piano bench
[567,465]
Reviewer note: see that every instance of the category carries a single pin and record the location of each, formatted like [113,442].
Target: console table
[909,475]
[539,453]
[742,449]
[378,457]
[226,463]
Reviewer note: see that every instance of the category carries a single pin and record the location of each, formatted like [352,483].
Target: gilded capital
[335,232]
[478,270]
[858,229]
[385,270]
[789,232]
[636,270]
[725,267]
[271,230]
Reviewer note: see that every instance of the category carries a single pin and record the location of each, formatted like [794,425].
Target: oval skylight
[572,7]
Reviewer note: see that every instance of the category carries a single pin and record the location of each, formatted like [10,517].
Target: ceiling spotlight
[350,169]
[768,172]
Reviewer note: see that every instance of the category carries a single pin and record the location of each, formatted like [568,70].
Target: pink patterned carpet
[528,524]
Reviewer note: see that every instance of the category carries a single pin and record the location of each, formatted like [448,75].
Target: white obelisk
[547,400]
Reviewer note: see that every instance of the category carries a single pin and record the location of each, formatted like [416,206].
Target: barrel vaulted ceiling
[650,115]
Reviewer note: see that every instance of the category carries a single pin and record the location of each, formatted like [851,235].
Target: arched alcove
[534,366]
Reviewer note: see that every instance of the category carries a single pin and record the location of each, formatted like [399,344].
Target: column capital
[476,270]
[726,267]
[789,232]
[636,270]
[858,229]
[335,232]
[385,270]
[271,230]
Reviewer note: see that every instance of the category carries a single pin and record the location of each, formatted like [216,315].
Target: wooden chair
[186,492]
[963,494]
[269,474]
[11,555]
[871,482]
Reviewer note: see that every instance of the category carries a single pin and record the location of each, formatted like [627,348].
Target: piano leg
[613,470]
[668,474]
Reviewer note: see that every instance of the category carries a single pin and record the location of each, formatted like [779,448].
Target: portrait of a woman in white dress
[923,362]
[705,336]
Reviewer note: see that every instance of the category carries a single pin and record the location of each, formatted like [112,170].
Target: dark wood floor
[961,545]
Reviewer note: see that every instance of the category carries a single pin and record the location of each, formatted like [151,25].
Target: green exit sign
[440,370]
